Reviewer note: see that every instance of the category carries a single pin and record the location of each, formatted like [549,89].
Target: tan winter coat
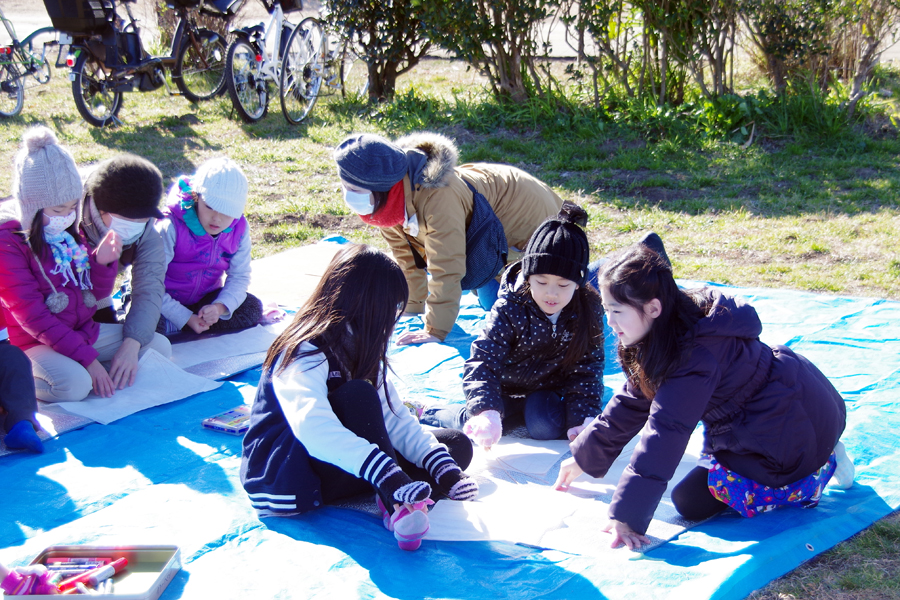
[442,205]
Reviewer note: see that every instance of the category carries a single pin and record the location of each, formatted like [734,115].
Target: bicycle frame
[19,53]
[268,39]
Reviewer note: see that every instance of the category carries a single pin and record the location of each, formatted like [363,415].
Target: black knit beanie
[370,162]
[559,246]
[126,185]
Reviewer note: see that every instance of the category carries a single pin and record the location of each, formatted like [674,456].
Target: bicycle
[313,56]
[254,60]
[106,57]
[17,61]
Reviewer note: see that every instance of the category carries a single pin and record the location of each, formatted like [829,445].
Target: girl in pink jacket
[49,280]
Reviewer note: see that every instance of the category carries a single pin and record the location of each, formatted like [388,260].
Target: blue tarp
[158,477]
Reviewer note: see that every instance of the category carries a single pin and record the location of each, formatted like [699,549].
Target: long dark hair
[352,311]
[633,278]
[35,235]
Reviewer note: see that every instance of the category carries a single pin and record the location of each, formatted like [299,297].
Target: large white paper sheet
[158,381]
[249,341]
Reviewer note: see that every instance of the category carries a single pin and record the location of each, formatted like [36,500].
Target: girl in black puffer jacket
[541,351]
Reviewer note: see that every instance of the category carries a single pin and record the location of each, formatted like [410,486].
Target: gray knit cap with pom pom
[45,175]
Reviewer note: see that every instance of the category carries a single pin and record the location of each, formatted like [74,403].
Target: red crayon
[94,576]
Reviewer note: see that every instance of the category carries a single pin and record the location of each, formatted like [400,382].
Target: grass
[816,213]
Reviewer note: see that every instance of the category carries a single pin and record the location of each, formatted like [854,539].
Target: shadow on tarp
[93,467]
[469,570]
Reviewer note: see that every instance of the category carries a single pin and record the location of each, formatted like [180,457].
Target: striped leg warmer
[449,477]
[382,472]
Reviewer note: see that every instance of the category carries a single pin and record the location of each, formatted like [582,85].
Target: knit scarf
[393,212]
[71,259]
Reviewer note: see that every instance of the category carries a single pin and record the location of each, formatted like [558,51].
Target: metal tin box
[149,570]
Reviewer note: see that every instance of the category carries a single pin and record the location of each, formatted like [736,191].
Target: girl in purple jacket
[207,247]
[49,280]
[772,419]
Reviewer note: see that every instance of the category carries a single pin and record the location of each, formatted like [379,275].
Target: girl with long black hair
[327,422]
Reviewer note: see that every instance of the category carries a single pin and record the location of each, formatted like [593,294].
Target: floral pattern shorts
[751,498]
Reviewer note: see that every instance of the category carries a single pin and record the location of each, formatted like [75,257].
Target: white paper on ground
[158,381]
[535,513]
[248,341]
[514,512]
[532,457]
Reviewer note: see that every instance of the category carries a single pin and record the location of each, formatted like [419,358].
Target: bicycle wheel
[199,70]
[249,92]
[301,70]
[12,91]
[94,91]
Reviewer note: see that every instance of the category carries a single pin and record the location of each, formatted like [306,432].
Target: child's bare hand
[211,313]
[573,432]
[569,471]
[109,249]
[102,382]
[197,324]
[624,534]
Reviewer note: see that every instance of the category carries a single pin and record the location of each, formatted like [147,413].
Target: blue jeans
[545,414]
[487,294]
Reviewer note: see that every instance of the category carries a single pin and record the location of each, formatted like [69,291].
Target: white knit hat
[45,175]
[223,186]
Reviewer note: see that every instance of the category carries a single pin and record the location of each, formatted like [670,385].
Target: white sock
[845,471]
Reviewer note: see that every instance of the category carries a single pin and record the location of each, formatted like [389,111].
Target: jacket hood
[441,157]
[728,316]
[9,214]
[510,283]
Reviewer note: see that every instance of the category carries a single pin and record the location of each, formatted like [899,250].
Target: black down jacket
[769,415]
[520,351]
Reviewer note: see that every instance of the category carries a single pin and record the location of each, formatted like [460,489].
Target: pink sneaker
[385,516]
[410,527]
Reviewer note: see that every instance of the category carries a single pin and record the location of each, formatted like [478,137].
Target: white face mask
[129,231]
[59,224]
[360,203]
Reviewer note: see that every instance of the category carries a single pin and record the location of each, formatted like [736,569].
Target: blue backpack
[486,248]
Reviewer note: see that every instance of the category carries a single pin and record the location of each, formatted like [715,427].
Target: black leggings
[358,407]
[692,498]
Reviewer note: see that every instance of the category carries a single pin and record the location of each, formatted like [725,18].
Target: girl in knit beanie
[541,351]
[207,252]
[49,280]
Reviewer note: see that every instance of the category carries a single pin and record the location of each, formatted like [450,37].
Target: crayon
[94,576]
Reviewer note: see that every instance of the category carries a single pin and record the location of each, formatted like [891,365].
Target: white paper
[158,381]
[248,341]
[513,512]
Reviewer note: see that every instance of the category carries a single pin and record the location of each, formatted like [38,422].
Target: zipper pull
[553,325]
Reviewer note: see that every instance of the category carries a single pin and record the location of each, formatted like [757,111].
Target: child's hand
[623,534]
[197,324]
[109,249]
[573,433]
[100,379]
[484,428]
[211,313]
[569,471]
[415,337]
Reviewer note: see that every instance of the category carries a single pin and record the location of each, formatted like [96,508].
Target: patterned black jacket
[520,351]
